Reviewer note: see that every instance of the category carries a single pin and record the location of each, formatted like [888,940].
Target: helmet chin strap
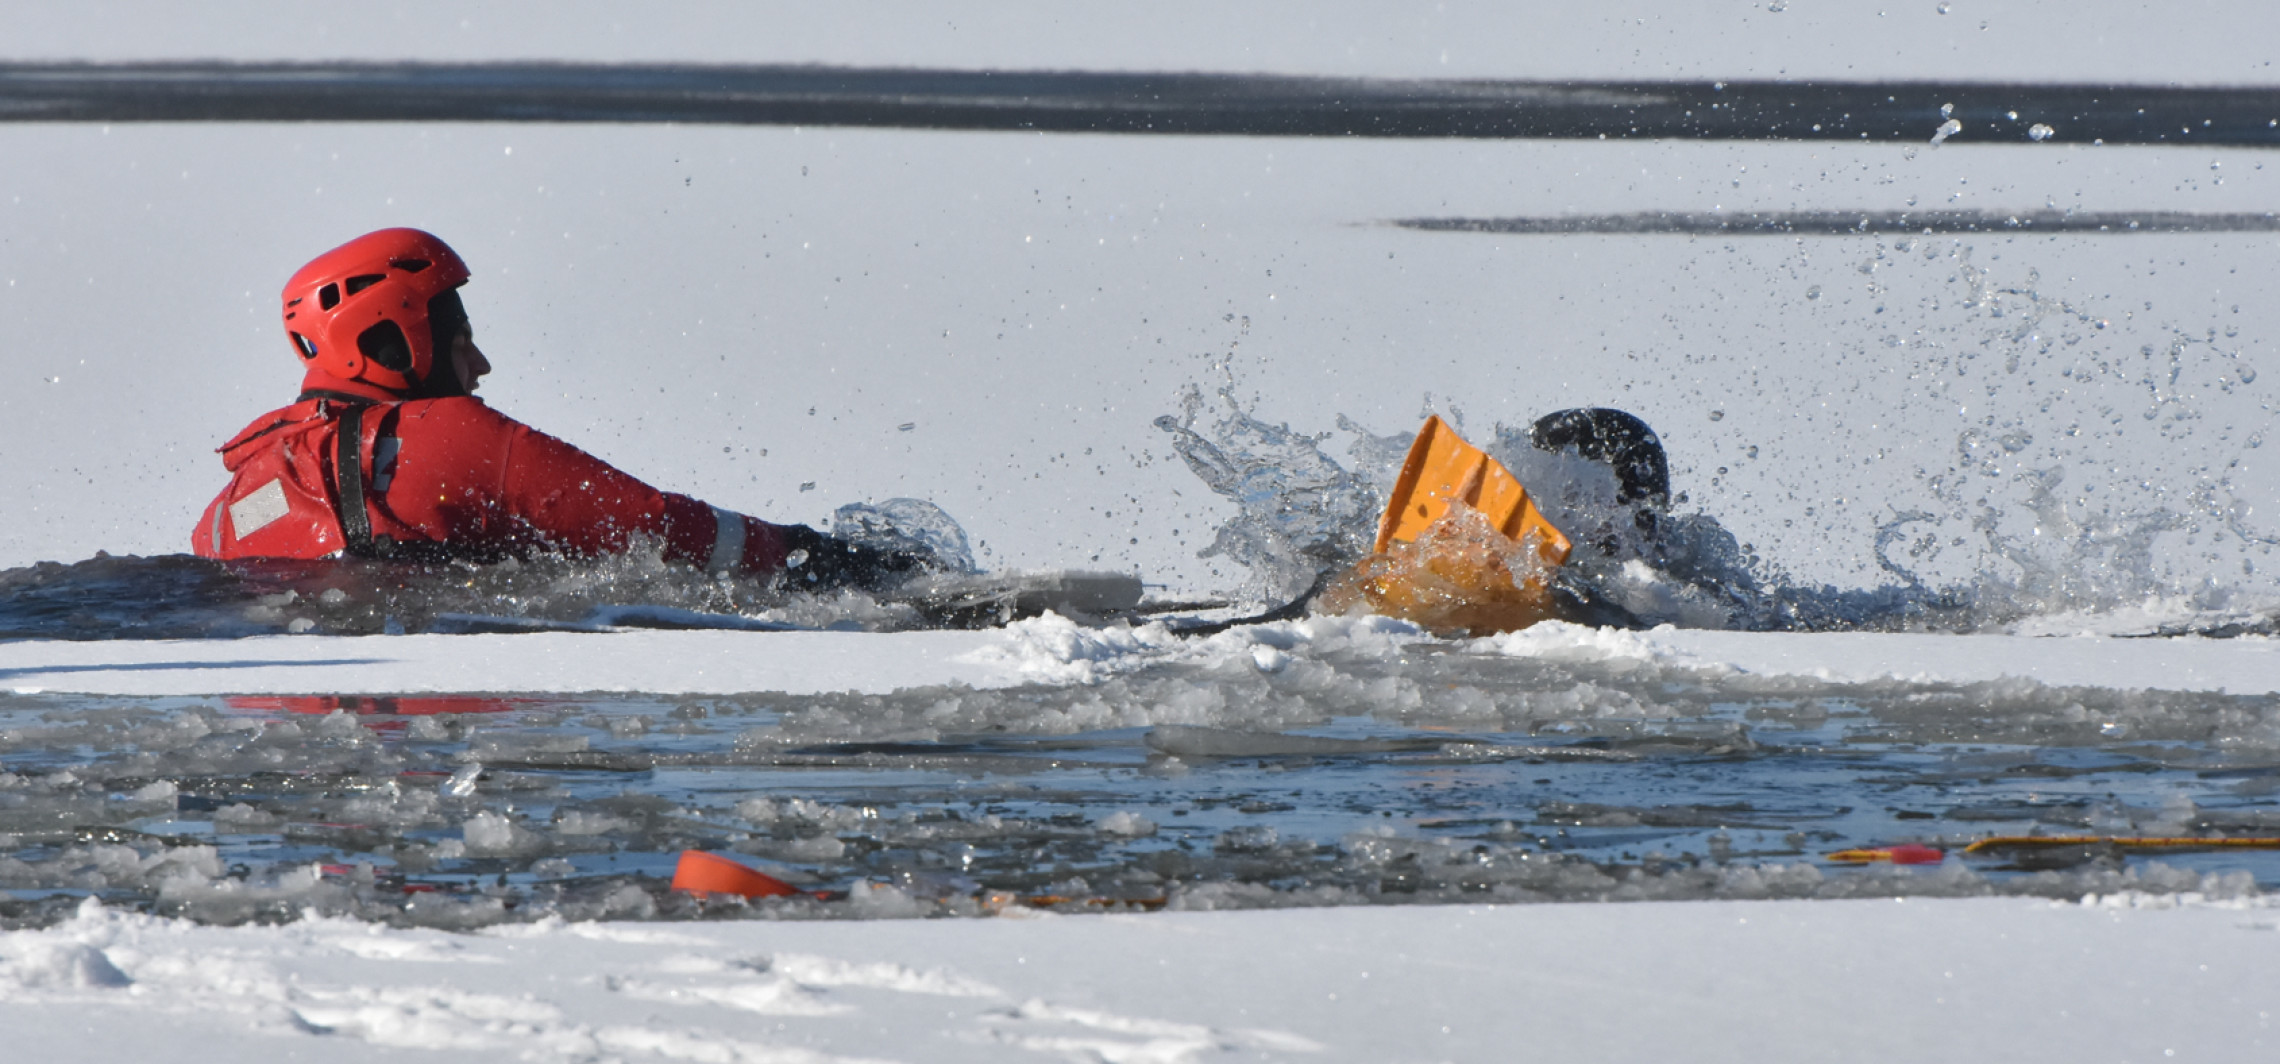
[442,381]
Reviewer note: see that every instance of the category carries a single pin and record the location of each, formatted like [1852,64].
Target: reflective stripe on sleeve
[728,541]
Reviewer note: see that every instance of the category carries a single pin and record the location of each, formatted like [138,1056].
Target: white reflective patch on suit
[384,462]
[258,508]
[728,541]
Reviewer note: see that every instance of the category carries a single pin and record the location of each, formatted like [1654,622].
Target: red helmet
[359,314]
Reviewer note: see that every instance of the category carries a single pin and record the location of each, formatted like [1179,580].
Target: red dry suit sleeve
[467,475]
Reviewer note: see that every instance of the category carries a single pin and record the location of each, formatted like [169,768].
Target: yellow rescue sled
[1461,547]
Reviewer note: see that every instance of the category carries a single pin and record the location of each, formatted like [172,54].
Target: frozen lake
[1974,540]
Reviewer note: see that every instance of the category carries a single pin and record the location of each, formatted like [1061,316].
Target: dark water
[1268,771]
[182,597]
[1134,103]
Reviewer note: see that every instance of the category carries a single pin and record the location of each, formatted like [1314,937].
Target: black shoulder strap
[359,541]
[348,469]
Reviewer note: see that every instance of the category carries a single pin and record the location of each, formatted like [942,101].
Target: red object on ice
[1905,853]
[702,873]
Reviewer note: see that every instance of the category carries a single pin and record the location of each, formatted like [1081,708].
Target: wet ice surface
[1320,763]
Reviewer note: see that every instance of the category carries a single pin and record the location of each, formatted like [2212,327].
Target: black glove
[821,563]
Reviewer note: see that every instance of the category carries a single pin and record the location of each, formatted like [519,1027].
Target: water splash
[181,597]
[907,525]
[1302,515]
[1299,512]
[2088,471]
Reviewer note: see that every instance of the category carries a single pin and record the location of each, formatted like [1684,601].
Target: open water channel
[1315,762]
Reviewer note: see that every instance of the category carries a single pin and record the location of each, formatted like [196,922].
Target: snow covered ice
[1437,982]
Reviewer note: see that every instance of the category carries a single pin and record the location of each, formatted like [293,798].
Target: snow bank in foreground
[2125,977]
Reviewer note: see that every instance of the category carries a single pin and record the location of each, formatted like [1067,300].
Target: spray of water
[1298,512]
[2032,520]
[2087,475]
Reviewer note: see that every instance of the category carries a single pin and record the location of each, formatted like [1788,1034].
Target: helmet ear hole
[385,345]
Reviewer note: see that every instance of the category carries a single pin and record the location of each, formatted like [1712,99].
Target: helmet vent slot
[362,281]
[411,265]
[307,349]
[328,297]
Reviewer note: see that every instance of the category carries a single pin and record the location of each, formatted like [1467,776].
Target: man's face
[467,359]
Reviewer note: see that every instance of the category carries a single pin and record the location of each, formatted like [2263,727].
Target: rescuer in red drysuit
[387,453]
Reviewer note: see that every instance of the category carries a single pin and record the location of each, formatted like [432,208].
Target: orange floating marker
[703,873]
[1442,469]
[1461,548]
[1905,853]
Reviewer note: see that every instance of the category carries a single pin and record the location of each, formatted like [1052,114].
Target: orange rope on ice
[2129,842]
